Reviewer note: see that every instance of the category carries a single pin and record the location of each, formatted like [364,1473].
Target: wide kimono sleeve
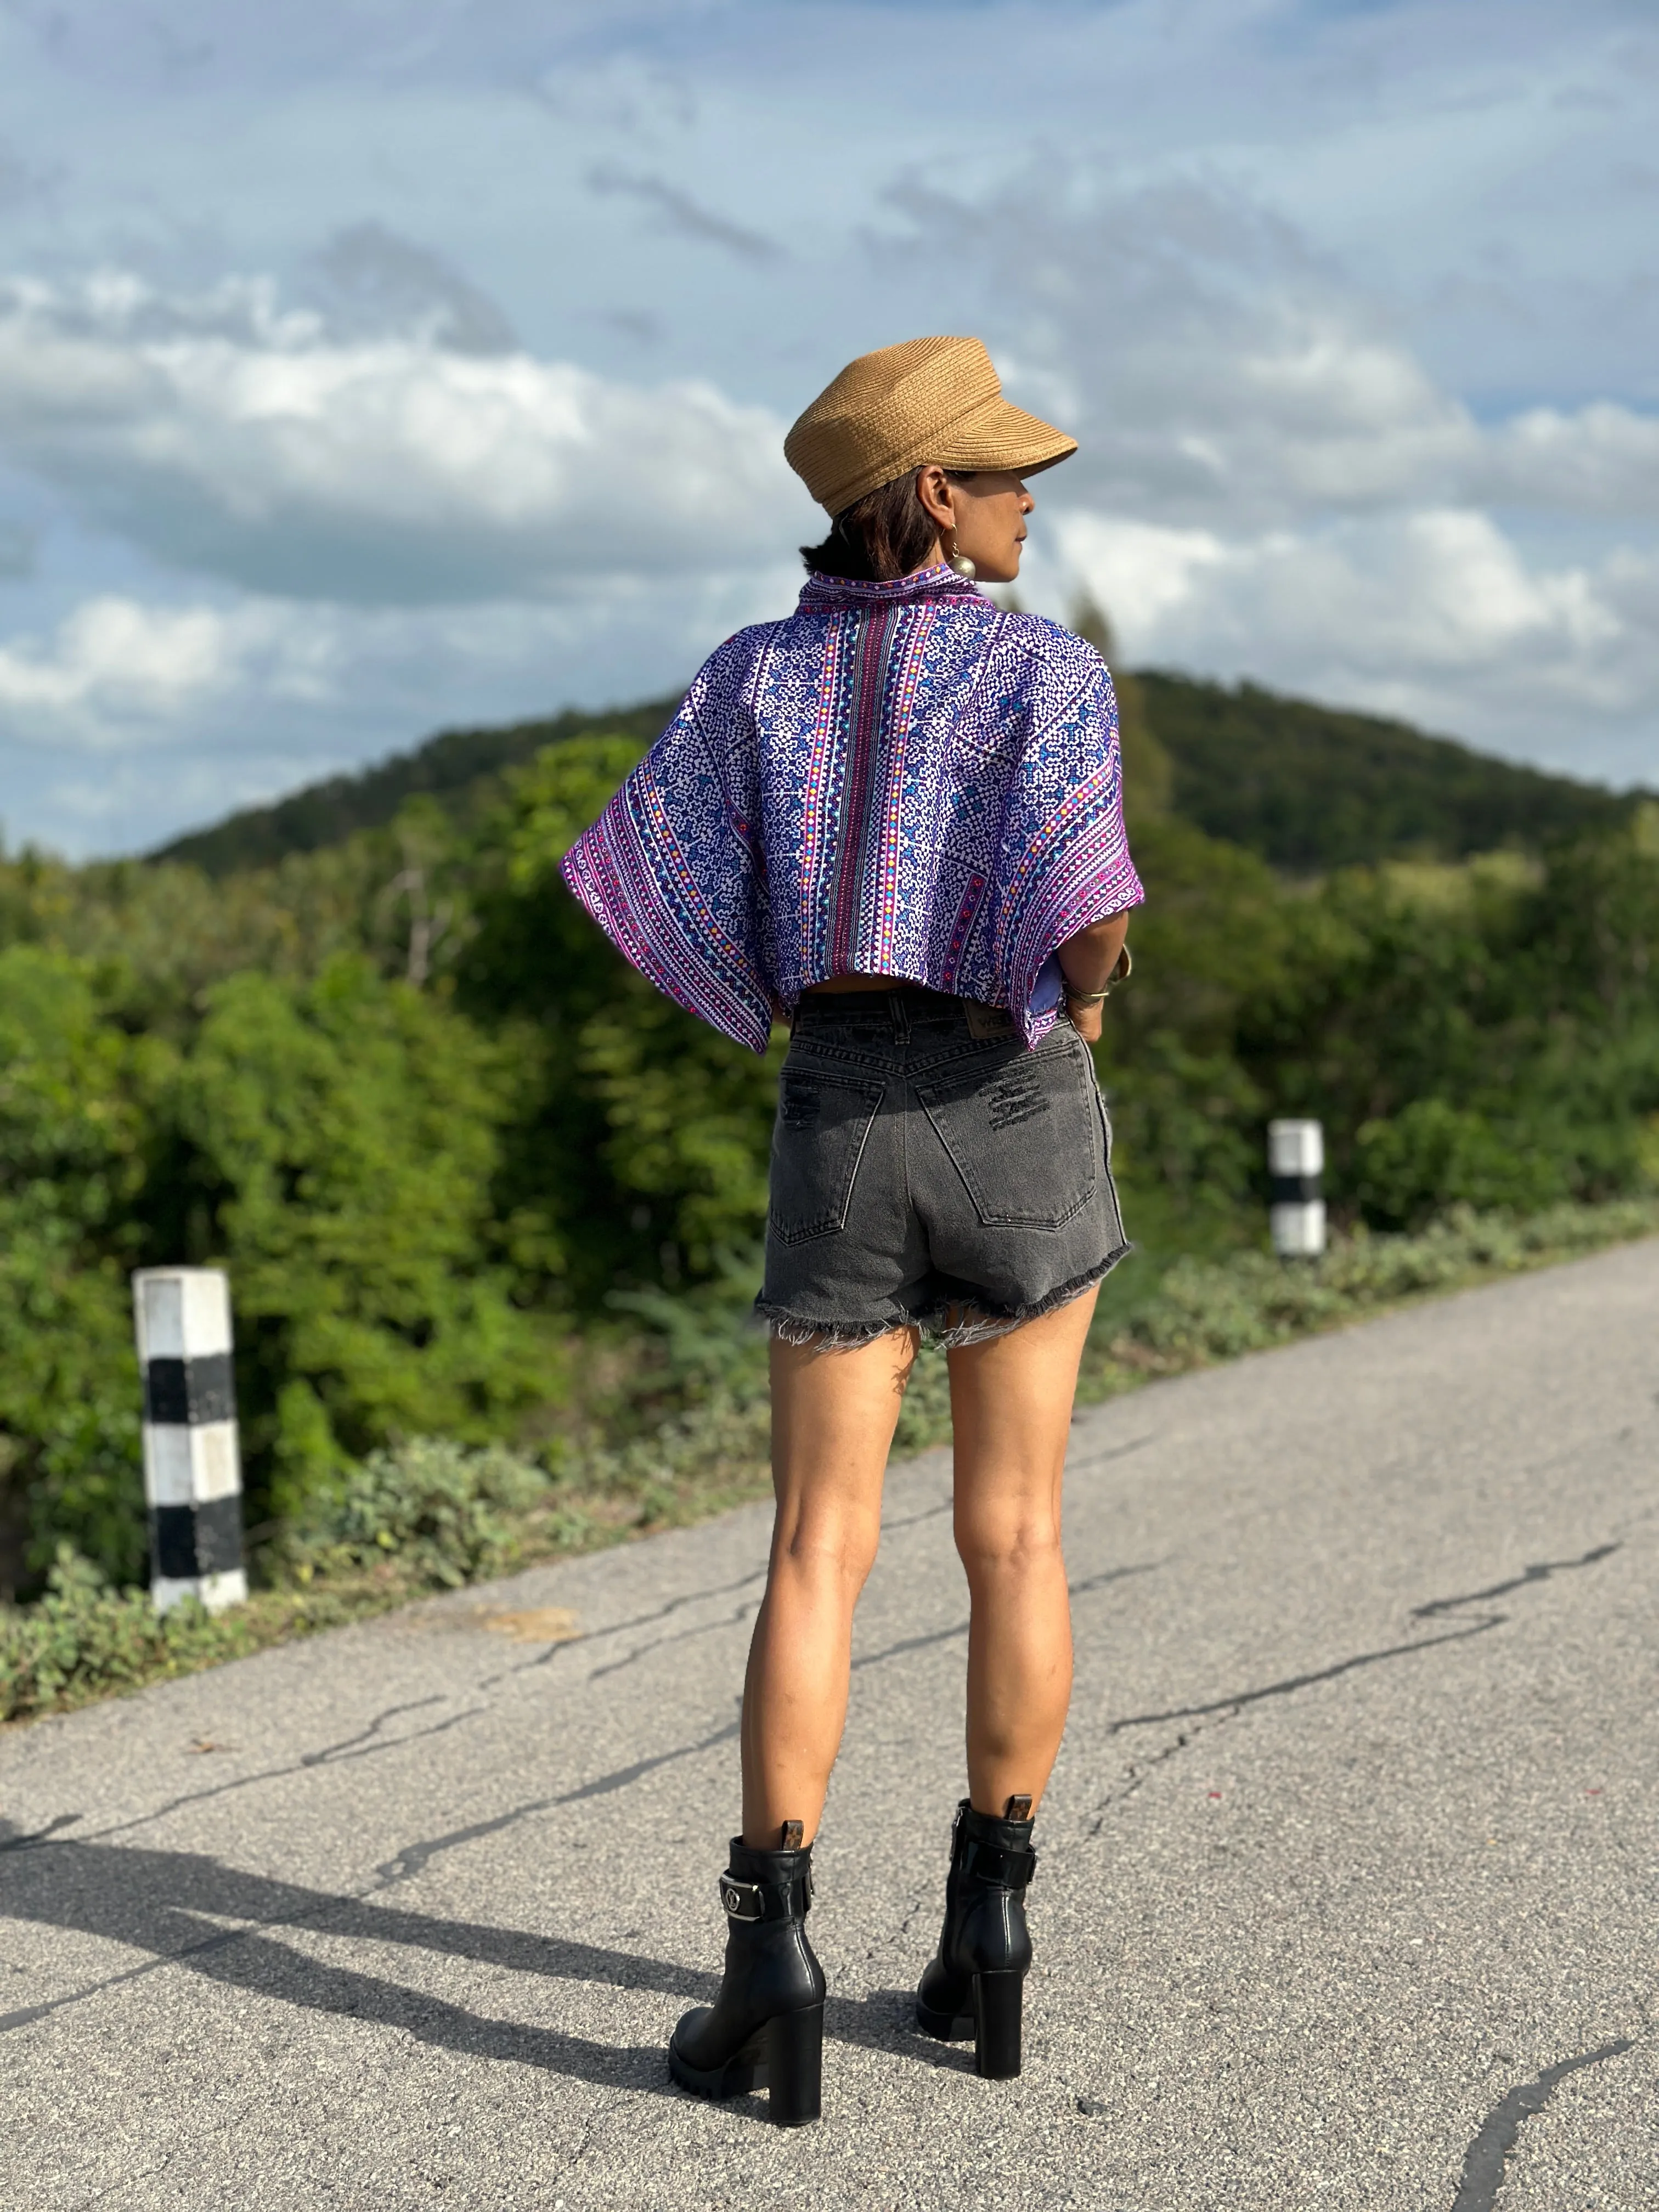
[1063,861]
[669,871]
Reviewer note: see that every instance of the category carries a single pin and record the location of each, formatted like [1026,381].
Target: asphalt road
[1347,1880]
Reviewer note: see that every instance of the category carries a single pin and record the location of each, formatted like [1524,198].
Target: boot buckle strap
[991,1862]
[748,1900]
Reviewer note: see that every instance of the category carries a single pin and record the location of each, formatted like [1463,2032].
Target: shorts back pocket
[824,1122]
[1024,1134]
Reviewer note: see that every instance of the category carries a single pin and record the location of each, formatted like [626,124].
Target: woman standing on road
[895,819]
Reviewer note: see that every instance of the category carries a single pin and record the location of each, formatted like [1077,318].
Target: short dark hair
[886,534]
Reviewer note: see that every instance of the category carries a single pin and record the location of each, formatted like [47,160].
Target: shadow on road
[169,1903]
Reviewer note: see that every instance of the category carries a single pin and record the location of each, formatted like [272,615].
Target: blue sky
[379,365]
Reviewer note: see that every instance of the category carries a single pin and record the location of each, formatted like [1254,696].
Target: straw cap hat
[929,399]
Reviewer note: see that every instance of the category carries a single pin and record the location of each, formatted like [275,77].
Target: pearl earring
[960,562]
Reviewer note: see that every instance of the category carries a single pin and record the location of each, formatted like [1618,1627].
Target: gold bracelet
[1123,968]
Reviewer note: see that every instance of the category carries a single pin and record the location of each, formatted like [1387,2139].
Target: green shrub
[1206,1311]
[445,1515]
[1487,1033]
[84,1639]
[1431,1155]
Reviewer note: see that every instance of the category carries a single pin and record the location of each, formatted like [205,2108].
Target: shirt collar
[938,582]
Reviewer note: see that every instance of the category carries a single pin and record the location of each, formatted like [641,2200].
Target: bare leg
[1011,1406]
[833,1417]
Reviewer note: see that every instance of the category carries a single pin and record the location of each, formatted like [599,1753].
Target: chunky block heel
[794,2067]
[996,2025]
[973,1984]
[766,2026]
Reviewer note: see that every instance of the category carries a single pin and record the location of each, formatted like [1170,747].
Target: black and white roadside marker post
[192,1458]
[1296,1164]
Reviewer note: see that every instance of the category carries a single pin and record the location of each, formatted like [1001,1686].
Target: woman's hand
[1085,1019]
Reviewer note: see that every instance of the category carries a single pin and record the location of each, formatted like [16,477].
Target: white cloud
[1221,376]
[1407,614]
[1272,484]
[132,719]
[234,440]
[393,447]
[1601,460]
[114,664]
[1145,574]
[404,518]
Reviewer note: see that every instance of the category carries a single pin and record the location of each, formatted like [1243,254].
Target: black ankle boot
[766,2026]
[975,1986]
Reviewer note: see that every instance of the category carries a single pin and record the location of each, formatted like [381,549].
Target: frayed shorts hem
[934,1325]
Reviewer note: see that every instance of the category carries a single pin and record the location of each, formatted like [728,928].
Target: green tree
[1148,770]
[643,1156]
[339,1142]
[73,1136]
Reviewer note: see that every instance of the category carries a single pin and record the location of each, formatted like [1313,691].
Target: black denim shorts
[930,1170]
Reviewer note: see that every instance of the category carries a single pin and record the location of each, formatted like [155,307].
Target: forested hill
[1307,787]
[458,768]
[1311,788]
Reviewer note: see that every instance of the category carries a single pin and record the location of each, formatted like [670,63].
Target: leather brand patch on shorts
[987,1021]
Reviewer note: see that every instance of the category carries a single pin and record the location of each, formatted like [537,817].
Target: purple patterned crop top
[896,780]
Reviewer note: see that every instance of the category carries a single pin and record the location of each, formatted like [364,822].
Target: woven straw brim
[1003,437]
[995,434]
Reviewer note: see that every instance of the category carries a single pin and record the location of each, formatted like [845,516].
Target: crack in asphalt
[413,1857]
[228,2127]
[1540,1573]
[911,1643]
[960,1628]
[674,1605]
[366,1742]
[348,1743]
[21,1843]
[1434,1609]
[364,1745]
[1135,1776]
[368,1739]
[735,1618]
[1113,1575]
[1237,1700]
[624,1776]
[915,1520]
[127,2181]
[1487,2156]
[1116,1451]
[1224,1708]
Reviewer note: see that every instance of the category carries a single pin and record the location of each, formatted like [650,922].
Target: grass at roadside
[430,1515]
